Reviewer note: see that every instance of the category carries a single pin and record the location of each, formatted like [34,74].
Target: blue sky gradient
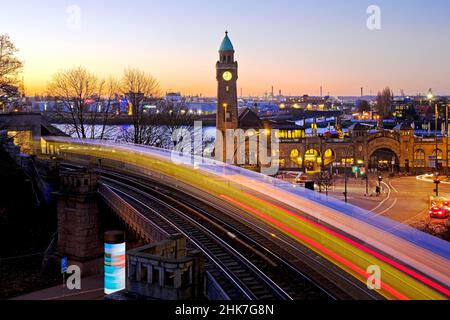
[295,45]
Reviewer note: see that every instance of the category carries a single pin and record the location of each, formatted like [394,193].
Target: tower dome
[226,45]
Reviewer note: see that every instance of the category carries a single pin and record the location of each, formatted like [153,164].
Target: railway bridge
[261,233]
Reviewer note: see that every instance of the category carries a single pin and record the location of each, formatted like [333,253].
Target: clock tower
[227,104]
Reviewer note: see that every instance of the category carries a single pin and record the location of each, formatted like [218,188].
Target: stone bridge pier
[79,234]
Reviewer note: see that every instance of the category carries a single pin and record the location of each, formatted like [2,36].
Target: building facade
[397,150]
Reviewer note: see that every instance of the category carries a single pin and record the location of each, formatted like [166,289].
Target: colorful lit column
[115,259]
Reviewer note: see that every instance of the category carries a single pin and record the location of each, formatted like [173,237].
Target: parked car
[439,212]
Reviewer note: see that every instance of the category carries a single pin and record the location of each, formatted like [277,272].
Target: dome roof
[226,44]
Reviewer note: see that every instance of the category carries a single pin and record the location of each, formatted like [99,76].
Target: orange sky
[277,44]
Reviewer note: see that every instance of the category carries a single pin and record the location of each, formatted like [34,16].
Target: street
[403,199]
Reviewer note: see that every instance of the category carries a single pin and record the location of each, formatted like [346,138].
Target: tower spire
[226,44]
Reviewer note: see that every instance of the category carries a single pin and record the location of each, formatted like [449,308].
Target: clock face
[227,76]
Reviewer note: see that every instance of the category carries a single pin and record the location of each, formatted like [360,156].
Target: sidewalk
[92,289]
[356,189]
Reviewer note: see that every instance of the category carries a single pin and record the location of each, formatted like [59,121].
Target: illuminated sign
[115,258]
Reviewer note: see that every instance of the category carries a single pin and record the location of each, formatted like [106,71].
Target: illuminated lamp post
[446,136]
[347,151]
[437,182]
[436,116]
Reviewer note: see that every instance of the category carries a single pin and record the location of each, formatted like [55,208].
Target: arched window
[329,157]
[439,154]
[296,158]
[419,159]
[313,160]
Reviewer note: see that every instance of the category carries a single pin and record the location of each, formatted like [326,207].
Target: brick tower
[227,104]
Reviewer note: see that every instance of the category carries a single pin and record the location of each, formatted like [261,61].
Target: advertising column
[115,259]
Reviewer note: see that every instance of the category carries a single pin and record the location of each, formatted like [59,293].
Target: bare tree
[151,133]
[84,101]
[10,67]
[176,120]
[384,103]
[325,181]
[138,87]
[363,106]
[100,119]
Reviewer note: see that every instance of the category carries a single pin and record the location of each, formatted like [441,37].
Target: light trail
[365,233]
[426,254]
[316,245]
[429,178]
[359,246]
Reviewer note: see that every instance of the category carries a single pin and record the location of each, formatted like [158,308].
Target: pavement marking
[388,209]
[412,219]
[393,188]
[384,201]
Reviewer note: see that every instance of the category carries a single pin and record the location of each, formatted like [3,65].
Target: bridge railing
[134,219]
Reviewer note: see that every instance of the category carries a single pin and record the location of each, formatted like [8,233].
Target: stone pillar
[79,236]
[139,271]
[149,274]
[161,277]
[177,281]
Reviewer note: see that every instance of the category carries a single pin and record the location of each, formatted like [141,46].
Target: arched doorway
[329,157]
[384,160]
[313,161]
[296,159]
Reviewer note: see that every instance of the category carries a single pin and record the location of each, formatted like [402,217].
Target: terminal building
[396,150]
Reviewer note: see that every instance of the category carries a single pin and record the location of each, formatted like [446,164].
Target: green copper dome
[226,44]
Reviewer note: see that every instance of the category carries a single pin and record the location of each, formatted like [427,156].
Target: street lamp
[436,116]
[367,178]
[436,136]
[446,136]
[437,182]
[346,172]
[380,180]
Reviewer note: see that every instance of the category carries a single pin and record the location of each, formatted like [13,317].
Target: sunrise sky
[294,45]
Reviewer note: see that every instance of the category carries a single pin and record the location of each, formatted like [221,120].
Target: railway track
[236,253]
[249,281]
[261,251]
